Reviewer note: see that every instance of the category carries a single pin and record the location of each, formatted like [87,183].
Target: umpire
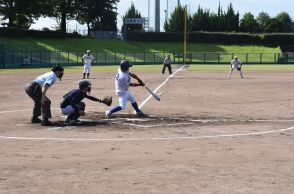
[167,63]
[37,91]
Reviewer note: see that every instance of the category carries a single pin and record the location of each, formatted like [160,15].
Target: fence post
[275,57]
[40,57]
[144,57]
[115,55]
[49,55]
[105,57]
[134,57]
[68,57]
[246,57]
[204,57]
[260,57]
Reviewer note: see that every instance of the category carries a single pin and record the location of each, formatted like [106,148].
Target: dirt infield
[208,134]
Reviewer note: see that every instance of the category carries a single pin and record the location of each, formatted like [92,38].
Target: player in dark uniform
[72,104]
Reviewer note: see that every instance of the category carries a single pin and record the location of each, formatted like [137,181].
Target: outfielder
[122,84]
[167,63]
[87,59]
[236,64]
[72,104]
[37,91]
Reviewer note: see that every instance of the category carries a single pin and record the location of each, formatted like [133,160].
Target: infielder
[167,63]
[236,64]
[122,84]
[72,104]
[87,59]
[37,91]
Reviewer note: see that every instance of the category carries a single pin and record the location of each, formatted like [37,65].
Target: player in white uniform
[122,84]
[37,91]
[87,60]
[236,64]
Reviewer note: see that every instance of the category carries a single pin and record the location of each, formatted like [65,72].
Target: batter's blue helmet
[125,65]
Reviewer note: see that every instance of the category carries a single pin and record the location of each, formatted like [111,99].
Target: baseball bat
[153,94]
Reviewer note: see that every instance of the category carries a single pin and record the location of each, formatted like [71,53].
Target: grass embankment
[81,45]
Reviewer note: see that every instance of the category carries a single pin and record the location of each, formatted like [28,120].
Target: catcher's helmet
[85,84]
[125,65]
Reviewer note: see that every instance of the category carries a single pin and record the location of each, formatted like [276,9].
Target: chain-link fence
[12,59]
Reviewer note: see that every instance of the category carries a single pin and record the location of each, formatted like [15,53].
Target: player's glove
[107,100]
[141,82]
[239,68]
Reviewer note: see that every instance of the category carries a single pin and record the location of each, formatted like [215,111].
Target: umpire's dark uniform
[34,90]
[167,63]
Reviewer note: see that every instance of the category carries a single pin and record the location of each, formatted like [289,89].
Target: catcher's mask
[85,84]
[58,70]
[125,65]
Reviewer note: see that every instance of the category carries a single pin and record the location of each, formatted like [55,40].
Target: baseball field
[207,134]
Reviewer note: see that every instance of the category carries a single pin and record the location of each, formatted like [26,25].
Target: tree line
[97,15]
[101,15]
[228,21]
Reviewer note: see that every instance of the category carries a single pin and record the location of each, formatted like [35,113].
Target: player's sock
[135,106]
[88,74]
[115,109]
[84,75]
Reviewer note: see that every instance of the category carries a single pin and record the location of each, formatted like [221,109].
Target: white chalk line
[142,104]
[148,139]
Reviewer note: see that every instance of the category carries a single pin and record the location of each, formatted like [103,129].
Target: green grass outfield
[157,68]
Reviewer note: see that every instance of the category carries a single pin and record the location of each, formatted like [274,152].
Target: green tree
[274,25]
[262,20]
[248,23]
[176,22]
[201,20]
[132,13]
[98,15]
[22,13]
[286,20]
[64,10]
[232,19]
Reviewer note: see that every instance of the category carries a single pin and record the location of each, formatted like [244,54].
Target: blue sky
[272,7]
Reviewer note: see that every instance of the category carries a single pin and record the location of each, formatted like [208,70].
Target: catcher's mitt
[107,100]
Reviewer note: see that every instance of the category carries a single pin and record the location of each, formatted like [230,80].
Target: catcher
[73,106]
[236,64]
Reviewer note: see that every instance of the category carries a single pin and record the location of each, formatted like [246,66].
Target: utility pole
[148,15]
[157,15]
[179,3]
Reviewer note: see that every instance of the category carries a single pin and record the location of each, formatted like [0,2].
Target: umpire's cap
[125,65]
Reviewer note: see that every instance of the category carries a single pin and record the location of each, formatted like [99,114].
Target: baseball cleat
[108,114]
[140,114]
[74,122]
[46,123]
[36,120]
[67,120]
